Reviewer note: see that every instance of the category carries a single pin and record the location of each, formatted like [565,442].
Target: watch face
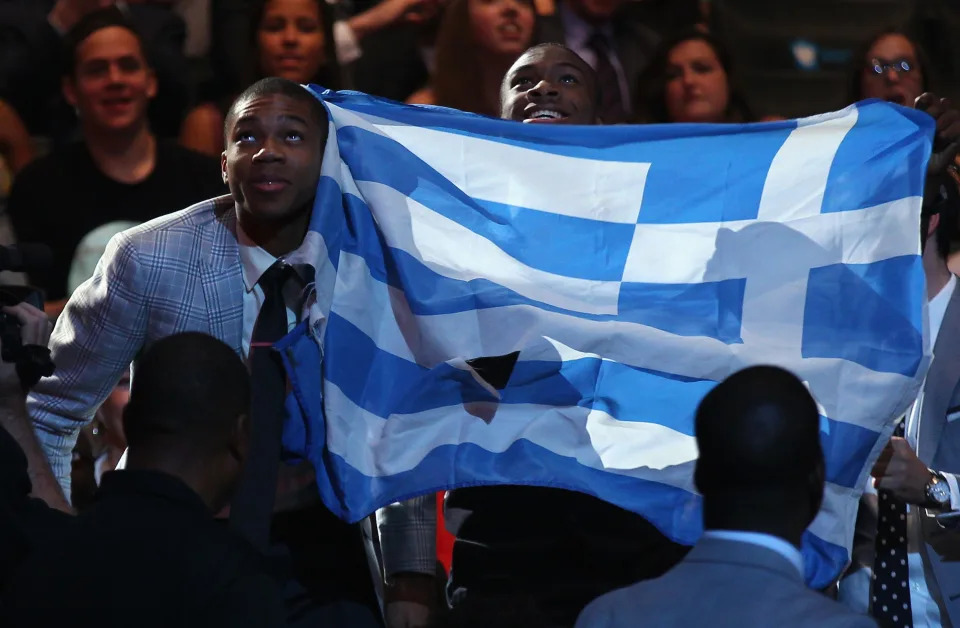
[939,492]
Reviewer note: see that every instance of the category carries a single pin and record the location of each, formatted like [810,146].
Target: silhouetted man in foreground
[150,541]
[761,473]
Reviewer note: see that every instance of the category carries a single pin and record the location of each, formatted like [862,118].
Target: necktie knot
[275,277]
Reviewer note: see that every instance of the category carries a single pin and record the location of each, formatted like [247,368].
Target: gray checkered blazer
[180,272]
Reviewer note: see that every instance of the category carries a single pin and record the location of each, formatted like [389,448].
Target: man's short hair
[942,198]
[758,430]
[276,86]
[188,386]
[90,24]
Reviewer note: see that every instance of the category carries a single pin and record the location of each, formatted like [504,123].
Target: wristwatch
[937,491]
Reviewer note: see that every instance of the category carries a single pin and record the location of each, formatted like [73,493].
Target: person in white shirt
[917,471]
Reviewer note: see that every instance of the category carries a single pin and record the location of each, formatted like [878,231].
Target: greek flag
[628,269]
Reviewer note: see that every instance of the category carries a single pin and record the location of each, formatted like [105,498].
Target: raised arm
[101,330]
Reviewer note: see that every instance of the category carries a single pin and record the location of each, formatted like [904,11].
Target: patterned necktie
[252,509]
[611,98]
[890,597]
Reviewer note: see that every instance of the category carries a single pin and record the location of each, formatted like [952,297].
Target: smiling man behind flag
[630,269]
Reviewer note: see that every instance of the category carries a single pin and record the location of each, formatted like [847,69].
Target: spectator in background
[609,36]
[892,67]
[15,144]
[917,475]
[32,46]
[761,473]
[120,171]
[477,43]
[292,40]
[691,79]
[348,31]
[150,541]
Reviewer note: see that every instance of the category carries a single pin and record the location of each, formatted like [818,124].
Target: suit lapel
[222,279]
[942,379]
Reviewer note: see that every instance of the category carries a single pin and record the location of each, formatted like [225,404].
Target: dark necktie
[611,98]
[890,595]
[252,508]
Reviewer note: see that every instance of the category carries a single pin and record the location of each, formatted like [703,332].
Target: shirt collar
[254,260]
[770,542]
[577,31]
[937,308]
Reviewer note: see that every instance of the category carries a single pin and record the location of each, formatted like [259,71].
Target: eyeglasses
[900,66]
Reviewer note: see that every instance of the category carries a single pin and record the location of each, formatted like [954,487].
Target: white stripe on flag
[400,442]
[554,185]
[375,309]
[773,301]
[450,249]
[798,174]
[838,515]
[714,251]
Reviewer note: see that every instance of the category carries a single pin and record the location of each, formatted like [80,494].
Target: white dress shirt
[855,588]
[254,261]
[774,543]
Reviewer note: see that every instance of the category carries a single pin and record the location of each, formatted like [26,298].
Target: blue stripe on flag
[869,141]
[823,562]
[699,173]
[711,309]
[846,449]
[677,513]
[384,384]
[866,313]
[518,231]
[673,510]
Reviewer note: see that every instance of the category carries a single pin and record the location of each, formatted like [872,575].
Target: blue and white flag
[632,268]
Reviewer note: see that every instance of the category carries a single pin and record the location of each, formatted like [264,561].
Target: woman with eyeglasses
[891,67]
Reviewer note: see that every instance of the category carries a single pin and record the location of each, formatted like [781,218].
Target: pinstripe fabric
[408,535]
[177,273]
[180,272]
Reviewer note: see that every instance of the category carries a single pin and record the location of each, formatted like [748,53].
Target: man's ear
[223,167]
[934,223]
[239,439]
[151,84]
[816,482]
[69,91]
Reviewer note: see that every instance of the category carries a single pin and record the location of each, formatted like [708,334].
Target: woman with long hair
[691,79]
[292,39]
[477,43]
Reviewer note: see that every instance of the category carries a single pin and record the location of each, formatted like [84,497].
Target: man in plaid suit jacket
[185,272]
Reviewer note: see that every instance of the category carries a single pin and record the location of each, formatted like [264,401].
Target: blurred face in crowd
[502,27]
[595,11]
[112,85]
[892,71]
[274,149]
[290,40]
[696,83]
[549,85]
